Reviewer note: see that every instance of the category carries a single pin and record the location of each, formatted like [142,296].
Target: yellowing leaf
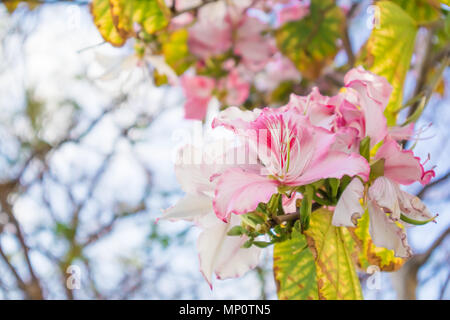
[176,51]
[420,10]
[294,269]
[150,15]
[336,275]
[11,6]
[101,12]
[367,254]
[389,51]
[311,43]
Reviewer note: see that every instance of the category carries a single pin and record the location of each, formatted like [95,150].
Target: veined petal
[373,95]
[376,87]
[223,254]
[240,191]
[235,119]
[413,207]
[386,193]
[402,166]
[348,208]
[189,208]
[335,165]
[386,233]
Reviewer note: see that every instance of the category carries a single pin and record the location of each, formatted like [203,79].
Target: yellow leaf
[294,269]
[389,51]
[150,15]
[175,50]
[336,275]
[420,10]
[367,254]
[101,12]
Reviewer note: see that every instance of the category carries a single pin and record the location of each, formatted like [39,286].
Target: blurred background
[86,148]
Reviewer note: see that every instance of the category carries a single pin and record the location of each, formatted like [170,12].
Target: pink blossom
[237,89]
[292,152]
[211,34]
[371,94]
[198,90]
[277,70]
[291,12]
[254,49]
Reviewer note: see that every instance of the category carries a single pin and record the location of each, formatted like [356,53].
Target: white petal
[348,208]
[189,208]
[223,254]
[386,233]
[413,207]
[386,193]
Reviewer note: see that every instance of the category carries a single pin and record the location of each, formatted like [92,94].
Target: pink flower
[291,12]
[370,93]
[237,89]
[198,90]
[254,49]
[211,34]
[292,152]
[277,70]
[320,110]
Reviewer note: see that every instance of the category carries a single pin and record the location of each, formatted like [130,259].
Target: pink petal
[401,165]
[335,165]
[198,91]
[240,191]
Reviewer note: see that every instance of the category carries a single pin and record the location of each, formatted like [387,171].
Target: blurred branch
[422,193]
[406,279]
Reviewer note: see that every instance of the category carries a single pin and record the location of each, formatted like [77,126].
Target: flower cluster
[316,151]
[233,49]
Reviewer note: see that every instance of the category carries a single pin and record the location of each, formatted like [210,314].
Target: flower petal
[240,191]
[413,207]
[386,233]
[224,254]
[189,208]
[348,208]
[385,193]
[402,166]
[335,165]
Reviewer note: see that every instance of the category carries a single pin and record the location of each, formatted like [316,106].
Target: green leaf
[236,231]
[294,269]
[311,43]
[150,15]
[330,245]
[364,148]
[389,51]
[377,169]
[420,10]
[101,12]
[305,208]
[367,253]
